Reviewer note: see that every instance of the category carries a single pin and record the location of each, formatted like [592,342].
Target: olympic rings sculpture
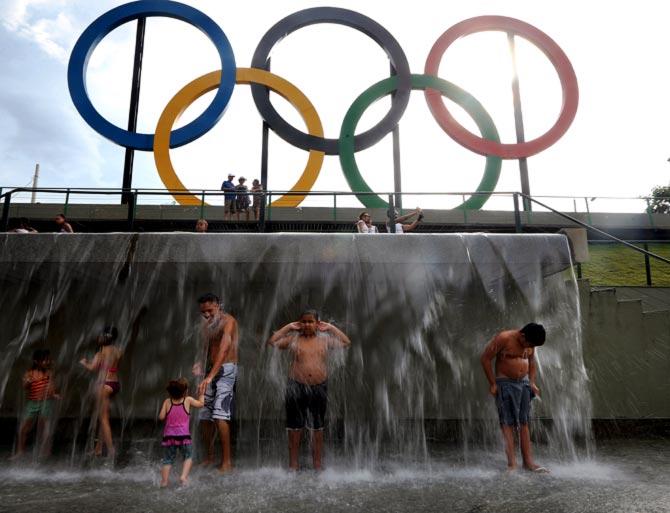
[400,85]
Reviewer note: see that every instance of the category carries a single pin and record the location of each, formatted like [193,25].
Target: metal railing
[643,250]
[266,208]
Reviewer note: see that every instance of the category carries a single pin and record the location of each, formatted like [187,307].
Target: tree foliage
[660,200]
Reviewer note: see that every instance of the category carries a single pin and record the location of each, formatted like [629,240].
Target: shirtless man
[220,335]
[307,390]
[513,386]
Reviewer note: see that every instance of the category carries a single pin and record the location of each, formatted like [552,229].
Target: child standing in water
[40,392]
[176,411]
[106,364]
[307,389]
[513,386]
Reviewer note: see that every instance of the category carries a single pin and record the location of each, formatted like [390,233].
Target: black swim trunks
[306,405]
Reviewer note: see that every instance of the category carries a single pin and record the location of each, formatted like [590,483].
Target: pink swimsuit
[177,431]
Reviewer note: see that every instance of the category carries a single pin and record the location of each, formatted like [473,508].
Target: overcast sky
[618,144]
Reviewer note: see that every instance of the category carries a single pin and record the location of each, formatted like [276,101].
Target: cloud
[43,22]
[39,123]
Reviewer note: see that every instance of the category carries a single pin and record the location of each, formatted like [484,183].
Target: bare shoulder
[507,336]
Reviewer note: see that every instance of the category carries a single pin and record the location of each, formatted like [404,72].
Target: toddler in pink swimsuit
[176,411]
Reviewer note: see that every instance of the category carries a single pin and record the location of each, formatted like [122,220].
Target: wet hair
[360,216]
[208,298]
[109,335]
[61,215]
[39,355]
[534,333]
[24,222]
[310,311]
[177,388]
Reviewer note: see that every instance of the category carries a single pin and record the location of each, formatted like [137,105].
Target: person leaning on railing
[400,226]
[24,227]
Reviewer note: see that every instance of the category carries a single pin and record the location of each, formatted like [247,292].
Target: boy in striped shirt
[40,393]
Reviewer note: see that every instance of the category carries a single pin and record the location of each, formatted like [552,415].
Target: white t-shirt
[364,228]
[398,229]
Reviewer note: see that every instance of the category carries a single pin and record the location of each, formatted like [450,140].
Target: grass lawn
[615,264]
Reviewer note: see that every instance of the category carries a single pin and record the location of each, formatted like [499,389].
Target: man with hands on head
[309,340]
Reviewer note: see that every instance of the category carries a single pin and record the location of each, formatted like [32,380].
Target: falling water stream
[408,402]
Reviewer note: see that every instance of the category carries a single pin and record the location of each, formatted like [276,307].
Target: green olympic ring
[419,82]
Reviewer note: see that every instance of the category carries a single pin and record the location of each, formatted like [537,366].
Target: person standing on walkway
[229,197]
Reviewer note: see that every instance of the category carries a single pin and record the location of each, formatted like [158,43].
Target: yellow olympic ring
[202,85]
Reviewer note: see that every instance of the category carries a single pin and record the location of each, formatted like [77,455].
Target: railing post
[588,211]
[334,206]
[579,271]
[269,209]
[67,201]
[202,205]
[5,212]
[131,210]
[647,265]
[651,218]
[465,210]
[391,214]
[517,214]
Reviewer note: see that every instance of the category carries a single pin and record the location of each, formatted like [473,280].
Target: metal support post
[391,214]
[126,197]
[647,265]
[5,212]
[518,123]
[517,214]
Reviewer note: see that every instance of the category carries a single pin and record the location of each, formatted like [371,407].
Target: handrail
[597,230]
[218,192]
[162,191]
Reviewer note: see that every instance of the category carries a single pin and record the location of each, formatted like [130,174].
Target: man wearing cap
[229,197]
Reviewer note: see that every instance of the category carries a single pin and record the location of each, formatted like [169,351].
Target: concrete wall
[627,352]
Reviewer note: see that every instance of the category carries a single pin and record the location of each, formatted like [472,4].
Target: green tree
[659,202]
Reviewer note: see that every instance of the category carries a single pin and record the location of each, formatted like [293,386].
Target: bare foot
[16,456]
[164,484]
[183,481]
[225,469]
[537,469]
[510,470]
[207,462]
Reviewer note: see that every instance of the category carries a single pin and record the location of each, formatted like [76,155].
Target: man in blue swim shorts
[513,386]
[220,334]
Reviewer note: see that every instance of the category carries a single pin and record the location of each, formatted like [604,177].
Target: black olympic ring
[351,19]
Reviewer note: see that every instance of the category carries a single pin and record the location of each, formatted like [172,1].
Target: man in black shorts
[309,339]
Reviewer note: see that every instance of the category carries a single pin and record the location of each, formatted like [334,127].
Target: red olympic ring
[544,43]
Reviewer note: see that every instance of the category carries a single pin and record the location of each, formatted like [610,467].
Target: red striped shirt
[39,389]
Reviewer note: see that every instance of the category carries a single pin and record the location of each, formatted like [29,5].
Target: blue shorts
[513,401]
[219,394]
[170,453]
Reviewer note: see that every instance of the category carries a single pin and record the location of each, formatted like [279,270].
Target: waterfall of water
[418,309]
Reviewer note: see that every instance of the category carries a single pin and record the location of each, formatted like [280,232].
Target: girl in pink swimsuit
[105,364]
[176,412]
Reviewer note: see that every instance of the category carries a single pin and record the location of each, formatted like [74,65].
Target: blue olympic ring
[96,31]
